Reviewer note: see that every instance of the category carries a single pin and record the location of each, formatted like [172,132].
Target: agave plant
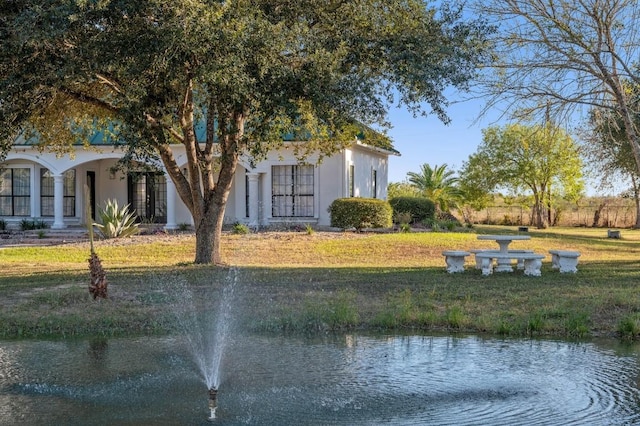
[116,221]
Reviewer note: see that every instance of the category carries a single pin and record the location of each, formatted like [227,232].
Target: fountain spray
[213,403]
[207,337]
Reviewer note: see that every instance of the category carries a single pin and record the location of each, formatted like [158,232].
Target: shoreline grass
[292,282]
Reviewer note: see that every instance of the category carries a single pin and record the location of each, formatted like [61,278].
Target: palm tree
[437,184]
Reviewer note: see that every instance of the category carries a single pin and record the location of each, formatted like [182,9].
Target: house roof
[98,138]
[367,138]
[387,151]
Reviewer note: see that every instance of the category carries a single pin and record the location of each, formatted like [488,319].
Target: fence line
[610,216]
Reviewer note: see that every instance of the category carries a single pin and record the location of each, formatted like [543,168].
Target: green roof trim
[366,136]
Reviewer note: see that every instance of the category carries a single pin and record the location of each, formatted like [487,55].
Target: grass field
[319,282]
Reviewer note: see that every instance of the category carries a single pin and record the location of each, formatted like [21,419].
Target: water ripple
[345,380]
[445,381]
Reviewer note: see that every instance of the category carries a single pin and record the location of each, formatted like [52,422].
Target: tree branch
[91,100]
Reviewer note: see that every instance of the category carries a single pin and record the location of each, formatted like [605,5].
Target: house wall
[285,156]
[36,163]
[330,181]
[236,210]
[332,177]
[365,162]
[109,186]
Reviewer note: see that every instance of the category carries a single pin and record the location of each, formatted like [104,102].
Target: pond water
[337,380]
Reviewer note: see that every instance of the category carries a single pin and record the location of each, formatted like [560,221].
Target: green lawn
[296,282]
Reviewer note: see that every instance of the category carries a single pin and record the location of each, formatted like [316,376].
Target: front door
[148,196]
[91,184]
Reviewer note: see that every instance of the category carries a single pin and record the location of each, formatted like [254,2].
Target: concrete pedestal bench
[613,234]
[520,264]
[479,261]
[564,260]
[532,261]
[455,260]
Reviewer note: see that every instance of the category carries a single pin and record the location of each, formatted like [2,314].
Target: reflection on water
[347,380]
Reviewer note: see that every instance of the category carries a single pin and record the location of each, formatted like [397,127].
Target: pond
[335,380]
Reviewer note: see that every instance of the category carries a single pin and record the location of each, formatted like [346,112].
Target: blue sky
[427,140]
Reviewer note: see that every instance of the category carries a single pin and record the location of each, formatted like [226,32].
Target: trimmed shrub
[240,228]
[420,209]
[402,218]
[30,225]
[360,213]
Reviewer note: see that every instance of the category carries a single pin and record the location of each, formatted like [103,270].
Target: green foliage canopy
[401,189]
[540,160]
[439,184]
[301,68]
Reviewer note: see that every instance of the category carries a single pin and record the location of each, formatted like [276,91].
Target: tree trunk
[636,199]
[210,221]
[538,216]
[549,212]
[205,236]
[216,254]
[597,213]
[208,236]
[98,278]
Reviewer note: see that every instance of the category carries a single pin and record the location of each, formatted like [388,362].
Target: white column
[58,202]
[171,204]
[254,202]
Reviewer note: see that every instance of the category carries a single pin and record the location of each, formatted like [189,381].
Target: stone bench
[455,260]
[479,261]
[565,260]
[520,264]
[613,234]
[532,261]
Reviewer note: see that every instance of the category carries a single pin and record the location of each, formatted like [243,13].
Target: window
[246,195]
[292,191]
[15,192]
[374,183]
[148,196]
[352,181]
[47,193]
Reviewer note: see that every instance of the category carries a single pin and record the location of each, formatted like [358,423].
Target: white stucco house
[43,186]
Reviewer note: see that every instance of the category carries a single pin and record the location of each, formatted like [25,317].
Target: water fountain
[207,331]
[213,403]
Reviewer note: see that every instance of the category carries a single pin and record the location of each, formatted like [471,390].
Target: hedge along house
[44,186]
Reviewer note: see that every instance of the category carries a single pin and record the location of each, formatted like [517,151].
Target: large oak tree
[155,73]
